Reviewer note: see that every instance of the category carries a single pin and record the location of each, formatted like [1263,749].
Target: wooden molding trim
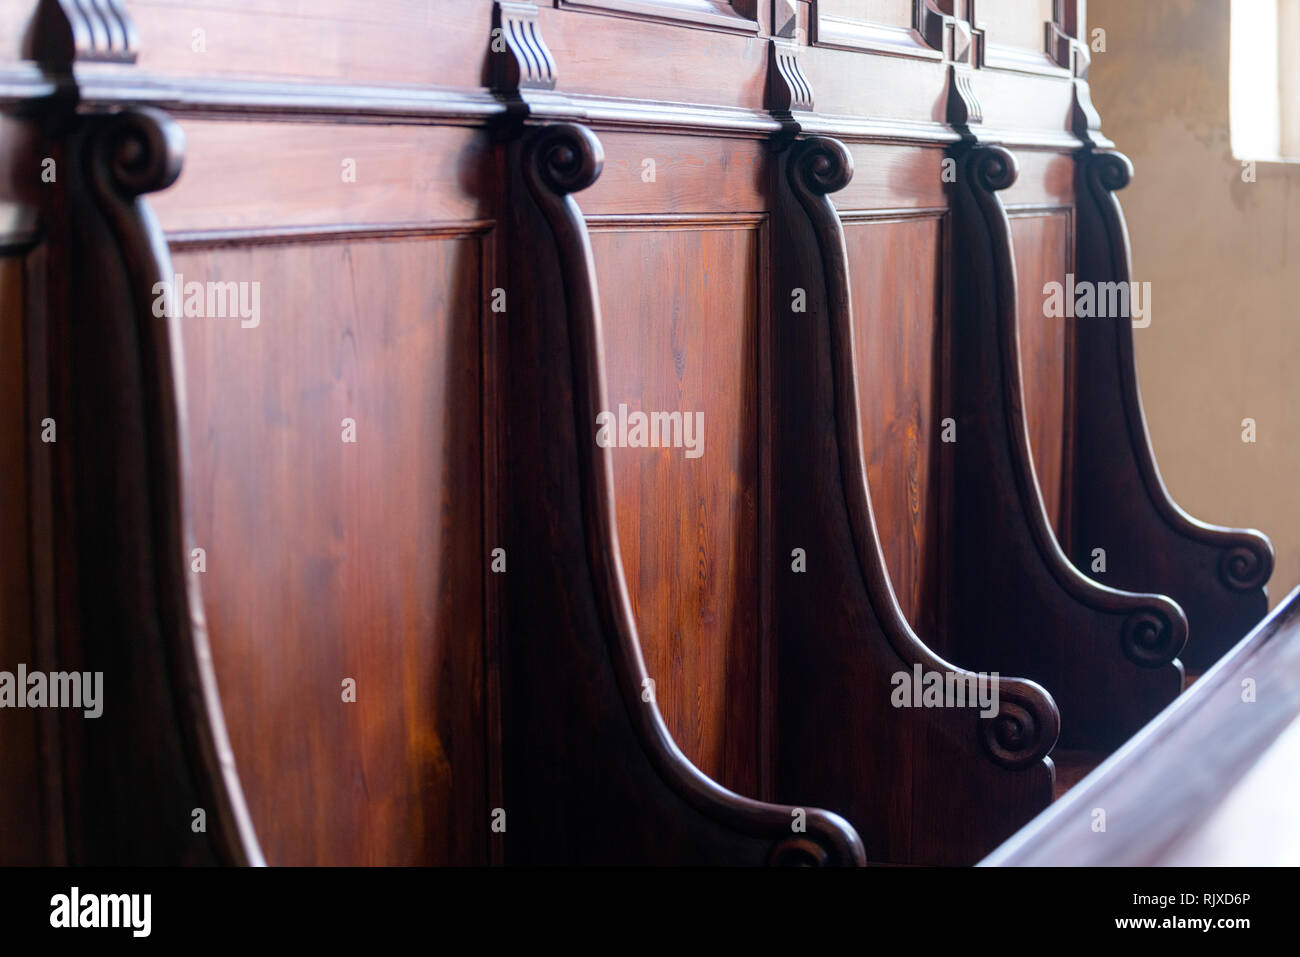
[559,160]
[1218,572]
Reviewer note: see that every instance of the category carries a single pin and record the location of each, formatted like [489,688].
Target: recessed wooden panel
[896,274]
[329,560]
[1017,23]
[892,12]
[681,309]
[1043,255]
[20,788]
[354,41]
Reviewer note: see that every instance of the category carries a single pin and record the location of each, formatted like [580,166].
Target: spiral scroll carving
[566,158]
[139,150]
[993,168]
[1110,170]
[822,165]
[798,852]
[1246,566]
[1026,726]
[1151,639]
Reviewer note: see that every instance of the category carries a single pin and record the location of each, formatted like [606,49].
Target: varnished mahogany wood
[942,783]
[1017,604]
[591,772]
[1205,783]
[518,690]
[1120,502]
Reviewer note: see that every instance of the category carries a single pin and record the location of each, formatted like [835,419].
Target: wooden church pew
[835,736]
[923,785]
[1209,782]
[1120,503]
[592,773]
[1017,603]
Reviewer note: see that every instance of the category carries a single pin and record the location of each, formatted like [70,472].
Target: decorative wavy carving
[1151,639]
[558,160]
[157,634]
[64,31]
[1245,559]
[788,88]
[1026,728]
[520,57]
[963,105]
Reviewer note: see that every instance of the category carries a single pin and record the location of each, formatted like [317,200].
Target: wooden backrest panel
[330,560]
[683,307]
[682,265]
[1043,243]
[897,287]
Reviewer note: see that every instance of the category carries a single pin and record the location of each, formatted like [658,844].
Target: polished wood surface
[1109,657]
[474,226]
[1202,784]
[330,560]
[689,519]
[897,286]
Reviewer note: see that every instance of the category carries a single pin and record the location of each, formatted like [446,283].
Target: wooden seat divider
[1015,601]
[923,785]
[592,774]
[1120,503]
[150,780]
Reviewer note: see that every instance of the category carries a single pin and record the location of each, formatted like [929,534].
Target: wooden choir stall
[575,431]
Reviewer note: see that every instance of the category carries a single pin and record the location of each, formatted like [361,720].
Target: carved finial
[1026,726]
[1151,638]
[519,56]
[787,87]
[564,157]
[139,151]
[963,105]
[821,165]
[62,32]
